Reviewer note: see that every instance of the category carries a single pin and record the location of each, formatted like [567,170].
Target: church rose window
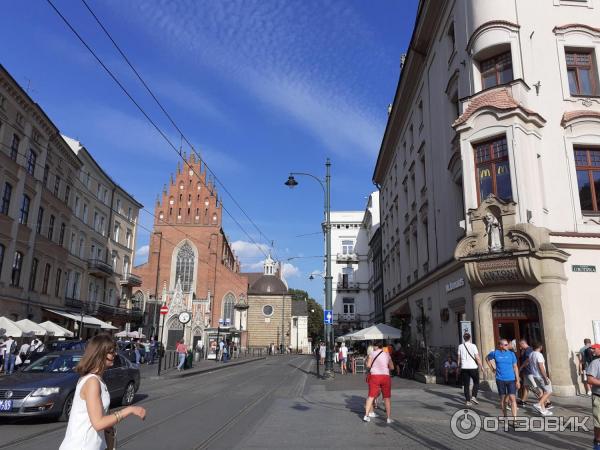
[268,310]
[184,269]
[492,169]
[228,303]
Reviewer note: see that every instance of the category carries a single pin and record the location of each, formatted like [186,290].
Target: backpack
[588,356]
[13,348]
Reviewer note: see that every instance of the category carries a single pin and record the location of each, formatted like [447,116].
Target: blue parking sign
[328,317]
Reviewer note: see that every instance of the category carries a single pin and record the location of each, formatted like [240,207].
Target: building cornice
[570,116]
[486,26]
[574,27]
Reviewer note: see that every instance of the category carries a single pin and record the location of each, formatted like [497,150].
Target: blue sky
[261,87]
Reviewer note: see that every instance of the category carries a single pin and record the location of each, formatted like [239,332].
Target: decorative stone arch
[172,277]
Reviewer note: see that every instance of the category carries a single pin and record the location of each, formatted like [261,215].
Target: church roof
[268,285]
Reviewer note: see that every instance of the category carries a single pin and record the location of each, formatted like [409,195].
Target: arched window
[228,303]
[184,269]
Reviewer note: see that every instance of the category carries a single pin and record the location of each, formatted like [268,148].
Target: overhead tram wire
[163,135]
[163,109]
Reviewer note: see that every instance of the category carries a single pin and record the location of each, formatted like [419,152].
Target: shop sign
[580,268]
[453,285]
[499,271]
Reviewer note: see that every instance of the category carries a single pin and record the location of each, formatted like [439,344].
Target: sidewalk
[205,365]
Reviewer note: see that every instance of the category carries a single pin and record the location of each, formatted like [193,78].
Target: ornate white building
[490,177]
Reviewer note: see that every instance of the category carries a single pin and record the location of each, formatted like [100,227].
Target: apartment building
[374,258]
[54,229]
[488,173]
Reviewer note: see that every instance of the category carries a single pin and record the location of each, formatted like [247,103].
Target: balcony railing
[347,258]
[99,267]
[350,317]
[130,279]
[110,310]
[73,303]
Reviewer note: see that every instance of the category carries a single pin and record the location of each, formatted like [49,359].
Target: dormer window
[496,70]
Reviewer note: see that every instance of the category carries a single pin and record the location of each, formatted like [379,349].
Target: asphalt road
[211,410]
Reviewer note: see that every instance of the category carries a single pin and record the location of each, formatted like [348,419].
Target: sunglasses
[503,345]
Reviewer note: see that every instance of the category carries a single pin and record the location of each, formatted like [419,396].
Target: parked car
[46,387]
[54,346]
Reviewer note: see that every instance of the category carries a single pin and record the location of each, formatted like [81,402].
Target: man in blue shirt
[507,375]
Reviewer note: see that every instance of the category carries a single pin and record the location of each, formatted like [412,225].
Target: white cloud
[142,252]
[245,249]
[289,270]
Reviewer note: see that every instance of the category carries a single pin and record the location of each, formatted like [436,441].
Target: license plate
[6,405]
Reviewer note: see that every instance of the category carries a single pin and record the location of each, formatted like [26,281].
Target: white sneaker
[588,393]
[366,418]
[468,403]
[474,400]
[389,421]
[372,414]
[546,413]
[538,407]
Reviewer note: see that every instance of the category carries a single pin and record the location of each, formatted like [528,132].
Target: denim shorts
[506,387]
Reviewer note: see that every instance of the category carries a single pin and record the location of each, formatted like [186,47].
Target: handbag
[110,436]
[368,375]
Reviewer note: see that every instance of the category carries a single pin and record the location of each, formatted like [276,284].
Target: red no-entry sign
[164,310]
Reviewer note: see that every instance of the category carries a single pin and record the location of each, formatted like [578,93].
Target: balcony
[351,318]
[130,279]
[116,311]
[345,285]
[74,303]
[99,268]
[343,258]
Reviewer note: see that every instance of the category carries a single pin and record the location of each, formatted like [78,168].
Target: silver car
[46,387]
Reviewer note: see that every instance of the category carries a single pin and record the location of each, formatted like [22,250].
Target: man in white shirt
[469,364]
[539,378]
[24,349]
[9,355]
[344,359]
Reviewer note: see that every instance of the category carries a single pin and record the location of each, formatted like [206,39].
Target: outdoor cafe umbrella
[346,337]
[31,328]
[9,328]
[55,329]
[376,332]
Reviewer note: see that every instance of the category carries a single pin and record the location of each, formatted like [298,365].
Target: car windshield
[54,363]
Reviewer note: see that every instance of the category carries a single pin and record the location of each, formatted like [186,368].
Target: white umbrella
[56,330]
[122,334]
[346,337]
[377,332]
[31,328]
[136,335]
[9,328]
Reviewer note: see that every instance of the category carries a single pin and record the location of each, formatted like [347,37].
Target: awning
[56,330]
[88,321]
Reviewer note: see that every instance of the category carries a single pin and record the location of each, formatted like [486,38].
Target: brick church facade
[191,266]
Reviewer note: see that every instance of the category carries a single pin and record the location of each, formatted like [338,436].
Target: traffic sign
[328,317]
[164,310]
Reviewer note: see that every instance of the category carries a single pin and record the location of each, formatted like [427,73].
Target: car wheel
[66,410]
[129,394]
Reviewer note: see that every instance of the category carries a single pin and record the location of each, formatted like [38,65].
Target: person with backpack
[469,364]
[10,355]
[586,356]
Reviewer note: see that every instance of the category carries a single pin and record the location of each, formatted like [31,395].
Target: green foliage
[315,314]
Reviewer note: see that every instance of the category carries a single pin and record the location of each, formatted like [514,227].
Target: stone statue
[493,232]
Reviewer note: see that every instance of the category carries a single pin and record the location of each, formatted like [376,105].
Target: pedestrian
[539,378]
[89,425]
[524,370]
[152,351]
[322,352]
[225,352]
[450,368]
[379,364]
[344,358]
[138,353]
[585,358]
[200,348]
[593,380]
[181,350]
[221,347]
[2,350]
[24,350]
[469,364]
[317,353]
[507,375]
[10,346]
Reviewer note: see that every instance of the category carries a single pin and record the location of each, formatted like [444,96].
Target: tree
[315,314]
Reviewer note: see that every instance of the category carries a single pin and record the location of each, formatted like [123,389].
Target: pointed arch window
[184,268]
[228,303]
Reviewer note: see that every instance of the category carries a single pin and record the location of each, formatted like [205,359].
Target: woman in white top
[88,421]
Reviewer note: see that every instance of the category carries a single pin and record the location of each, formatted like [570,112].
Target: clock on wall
[184,317]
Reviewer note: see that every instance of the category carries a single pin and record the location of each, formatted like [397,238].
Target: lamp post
[326,186]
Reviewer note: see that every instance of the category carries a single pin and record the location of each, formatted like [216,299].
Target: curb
[190,373]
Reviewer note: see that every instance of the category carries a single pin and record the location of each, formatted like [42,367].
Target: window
[77,206]
[24,213]
[81,247]
[6,198]
[347,247]
[56,185]
[96,222]
[347,276]
[496,70]
[61,235]
[129,213]
[101,226]
[85,213]
[67,194]
[46,172]
[184,268]
[581,74]
[117,232]
[51,227]
[125,266]
[57,282]
[75,290]
[128,238]
[46,279]
[348,305]
[15,277]
[587,163]
[31,159]
[2,249]
[268,310]
[33,274]
[40,219]
[72,245]
[14,147]
[115,258]
[119,205]
[228,310]
[492,169]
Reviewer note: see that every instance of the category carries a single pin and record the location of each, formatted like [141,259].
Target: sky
[260,87]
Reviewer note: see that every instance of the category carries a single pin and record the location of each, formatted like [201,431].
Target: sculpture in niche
[493,231]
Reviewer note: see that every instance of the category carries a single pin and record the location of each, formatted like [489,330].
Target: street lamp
[326,186]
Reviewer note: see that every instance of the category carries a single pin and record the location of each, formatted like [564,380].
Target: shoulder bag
[469,353]
[110,436]
[368,376]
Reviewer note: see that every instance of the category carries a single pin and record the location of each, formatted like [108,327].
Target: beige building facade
[490,177]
